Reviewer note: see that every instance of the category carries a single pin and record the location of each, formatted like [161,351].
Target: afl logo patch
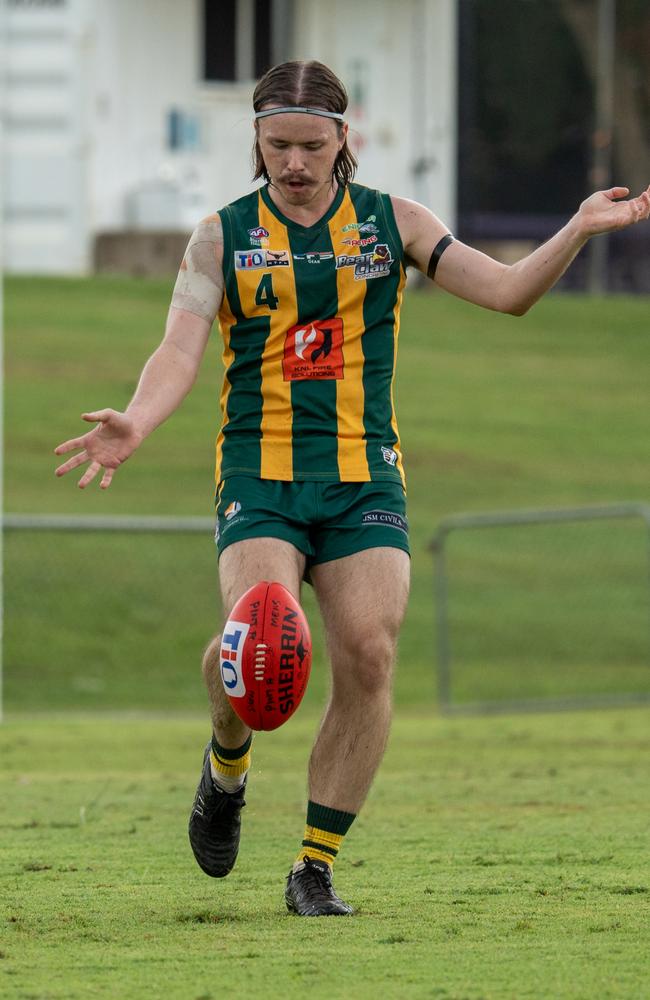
[232,509]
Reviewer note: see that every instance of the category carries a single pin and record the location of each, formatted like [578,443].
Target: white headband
[300,111]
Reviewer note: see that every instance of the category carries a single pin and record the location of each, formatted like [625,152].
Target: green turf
[495,412]
[496,858]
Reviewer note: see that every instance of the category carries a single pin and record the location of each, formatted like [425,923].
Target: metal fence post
[442,618]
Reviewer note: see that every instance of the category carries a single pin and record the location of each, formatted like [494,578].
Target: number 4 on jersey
[264,295]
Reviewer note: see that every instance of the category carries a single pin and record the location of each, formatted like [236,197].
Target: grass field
[495,412]
[496,858]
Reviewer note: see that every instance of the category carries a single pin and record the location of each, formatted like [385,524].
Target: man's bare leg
[215,819]
[362,599]
[241,566]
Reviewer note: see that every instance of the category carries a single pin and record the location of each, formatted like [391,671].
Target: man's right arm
[170,372]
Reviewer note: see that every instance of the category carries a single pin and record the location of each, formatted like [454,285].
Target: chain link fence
[107,612]
[543,608]
[104,613]
[537,609]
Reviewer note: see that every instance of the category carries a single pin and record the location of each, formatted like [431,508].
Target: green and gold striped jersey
[310,320]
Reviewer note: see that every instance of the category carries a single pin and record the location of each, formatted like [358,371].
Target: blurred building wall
[112,127]
[45,153]
[398,62]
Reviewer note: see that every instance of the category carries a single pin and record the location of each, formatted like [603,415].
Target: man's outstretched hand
[106,446]
[603,213]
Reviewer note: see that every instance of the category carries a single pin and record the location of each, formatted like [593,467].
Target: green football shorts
[324,520]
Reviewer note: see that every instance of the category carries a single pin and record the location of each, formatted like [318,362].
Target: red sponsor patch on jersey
[314,350]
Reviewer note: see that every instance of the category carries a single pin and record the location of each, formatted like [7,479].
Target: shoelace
[315,879]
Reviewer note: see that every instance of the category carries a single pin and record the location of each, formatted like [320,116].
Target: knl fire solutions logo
[314,350]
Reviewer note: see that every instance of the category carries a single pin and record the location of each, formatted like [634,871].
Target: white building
[113,119]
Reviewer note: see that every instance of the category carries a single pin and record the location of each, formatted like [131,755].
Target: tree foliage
[631,132]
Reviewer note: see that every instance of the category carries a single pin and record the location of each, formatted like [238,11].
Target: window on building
[243,38]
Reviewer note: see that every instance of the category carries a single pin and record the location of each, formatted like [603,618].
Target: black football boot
[215,824]
[310,893]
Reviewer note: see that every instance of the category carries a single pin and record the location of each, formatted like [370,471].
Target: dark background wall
[526,123]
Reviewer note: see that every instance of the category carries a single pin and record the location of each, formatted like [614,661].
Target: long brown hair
[302,84]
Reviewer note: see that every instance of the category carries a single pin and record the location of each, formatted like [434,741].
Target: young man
[306,276]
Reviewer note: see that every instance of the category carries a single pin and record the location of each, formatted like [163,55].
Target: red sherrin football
[265,656]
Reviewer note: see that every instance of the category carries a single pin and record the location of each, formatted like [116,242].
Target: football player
[306,276]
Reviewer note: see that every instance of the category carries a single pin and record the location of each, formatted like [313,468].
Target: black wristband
[438,251]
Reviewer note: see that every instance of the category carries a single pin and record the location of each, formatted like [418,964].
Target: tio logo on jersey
[253,260]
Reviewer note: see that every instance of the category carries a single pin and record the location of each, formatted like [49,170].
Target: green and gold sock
[324,833]
[230,766]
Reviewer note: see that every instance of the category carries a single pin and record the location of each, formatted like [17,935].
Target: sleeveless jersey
[310,320]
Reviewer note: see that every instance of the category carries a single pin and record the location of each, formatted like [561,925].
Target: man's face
[299,152]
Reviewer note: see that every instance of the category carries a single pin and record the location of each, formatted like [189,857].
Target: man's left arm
[472,275]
